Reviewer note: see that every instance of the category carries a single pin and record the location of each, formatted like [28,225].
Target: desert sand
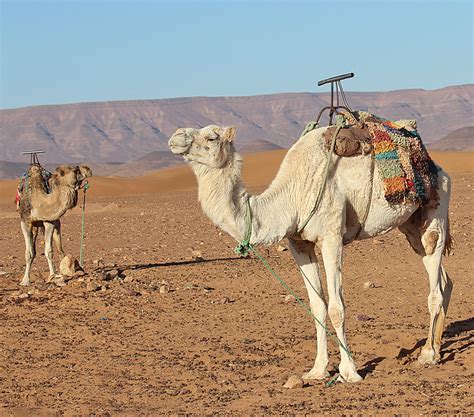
[168,320]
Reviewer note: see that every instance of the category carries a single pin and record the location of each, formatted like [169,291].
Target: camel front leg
[48,248]
[303,253]
[57,238]
[30,251]
[331,250]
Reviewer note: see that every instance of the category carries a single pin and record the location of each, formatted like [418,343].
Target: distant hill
[258,145]
[129,130]
[459,140]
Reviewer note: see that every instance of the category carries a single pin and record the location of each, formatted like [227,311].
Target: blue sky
[56,52]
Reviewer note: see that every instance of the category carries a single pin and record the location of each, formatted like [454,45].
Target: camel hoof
[53,276]
[354,377]
[315,374]
[25,282]
[428,357]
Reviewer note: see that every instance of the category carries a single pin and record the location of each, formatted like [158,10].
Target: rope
[340,124]
[86,186]
[246,247]
[243,248]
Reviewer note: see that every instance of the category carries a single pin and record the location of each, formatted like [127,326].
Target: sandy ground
[174,335]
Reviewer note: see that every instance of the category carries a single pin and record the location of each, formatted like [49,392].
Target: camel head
[212,145]
[70,176]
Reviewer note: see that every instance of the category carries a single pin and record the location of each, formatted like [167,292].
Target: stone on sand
[294,382]
[69,266]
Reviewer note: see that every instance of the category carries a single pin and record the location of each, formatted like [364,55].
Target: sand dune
[259,169]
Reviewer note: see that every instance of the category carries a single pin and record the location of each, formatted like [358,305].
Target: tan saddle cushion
[350,141]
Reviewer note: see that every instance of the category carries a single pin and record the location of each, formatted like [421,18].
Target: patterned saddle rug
[23,184]
[409,175]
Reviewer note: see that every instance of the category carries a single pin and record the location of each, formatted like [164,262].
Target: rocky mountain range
[131,136]
[459,140]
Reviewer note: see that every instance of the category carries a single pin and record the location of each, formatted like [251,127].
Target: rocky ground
[167,319]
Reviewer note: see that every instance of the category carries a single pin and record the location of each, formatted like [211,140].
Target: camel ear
[228,133]
[86,172]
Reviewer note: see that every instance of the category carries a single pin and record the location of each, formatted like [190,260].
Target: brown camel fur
[40,209]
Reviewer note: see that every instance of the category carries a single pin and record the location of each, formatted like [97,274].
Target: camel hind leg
[48,247]
[30,250]
[428,234]
[57,238]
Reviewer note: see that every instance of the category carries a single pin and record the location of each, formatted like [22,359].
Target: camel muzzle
[180,142]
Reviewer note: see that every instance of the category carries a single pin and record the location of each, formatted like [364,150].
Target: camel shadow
[463,328]
[123,268]
[459,337]
[370,366]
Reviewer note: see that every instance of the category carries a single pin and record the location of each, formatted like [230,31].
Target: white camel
[283,207]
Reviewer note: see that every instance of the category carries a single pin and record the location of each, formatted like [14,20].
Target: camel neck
[52,206]
[224,200]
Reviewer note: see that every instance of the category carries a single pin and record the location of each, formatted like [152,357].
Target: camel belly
[368,213]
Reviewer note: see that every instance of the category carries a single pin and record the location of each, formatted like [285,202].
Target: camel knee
[49,254]
[435,301]
[430,241]
[336,314]
[30,255]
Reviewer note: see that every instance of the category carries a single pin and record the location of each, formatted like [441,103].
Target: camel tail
[449,243]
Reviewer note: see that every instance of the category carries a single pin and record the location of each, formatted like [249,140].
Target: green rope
[246,247]
[309,127]
[243,248]
[298,299]
[340,121]
[81,257]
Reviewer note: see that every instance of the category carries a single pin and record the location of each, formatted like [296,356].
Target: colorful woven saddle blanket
[409,175]
[23,184]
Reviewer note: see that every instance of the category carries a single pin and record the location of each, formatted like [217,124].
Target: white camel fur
[283,207]
[40,209]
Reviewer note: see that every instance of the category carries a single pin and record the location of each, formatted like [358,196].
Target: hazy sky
[74,51]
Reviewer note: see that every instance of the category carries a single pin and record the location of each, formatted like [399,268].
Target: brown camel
[39,208]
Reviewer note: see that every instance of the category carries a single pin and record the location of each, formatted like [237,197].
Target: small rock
[191,286]
[207,289]
[197,256]
[289,298]
[110,275]
[69,266]
[129,291]
[164,289]
[281,248]
[128,279]
[363,317]
[294,382]
[92,286]
[24,295]
[3,273]
[369,284]
[59,282]
[225,300]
